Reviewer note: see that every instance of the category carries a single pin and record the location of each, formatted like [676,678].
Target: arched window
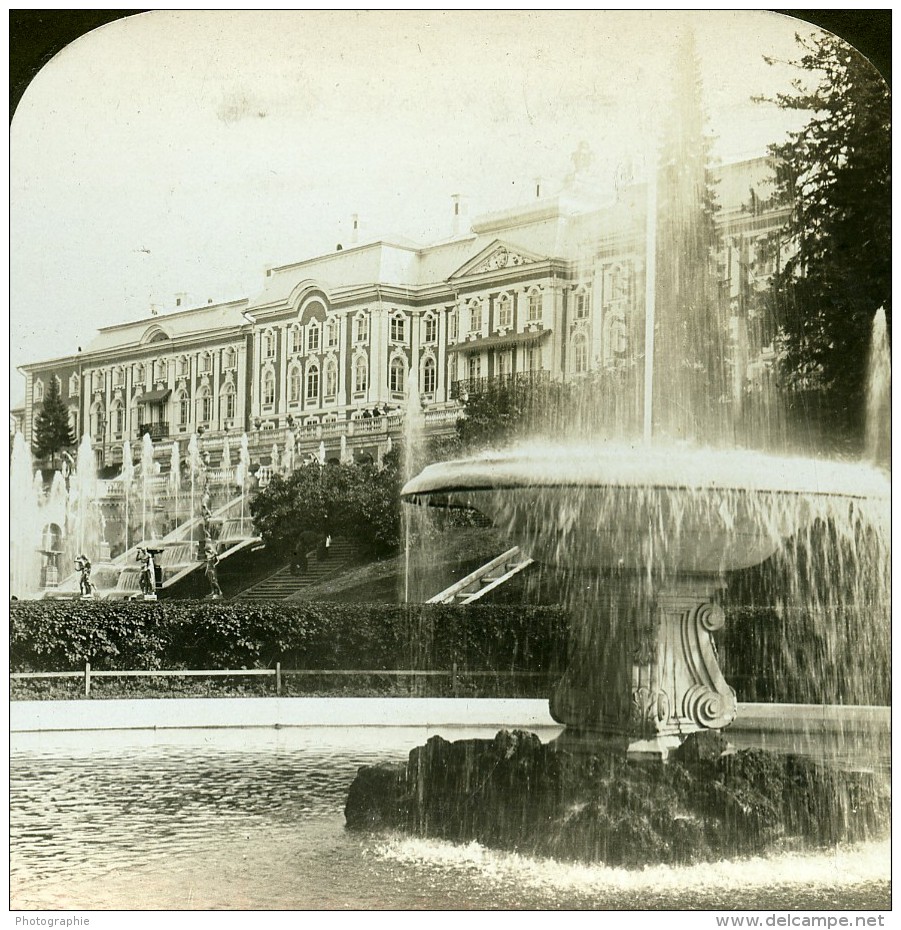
[429,328]
[98,420]
[204,405]
[313,382]
[59,384]
[534,305]
[361,327]
[475,366]
[331,378]
[453,328]
[118,376]
[475,317]
[579,354]
[361,375]
[140,374]
[503,364]
[429,376]
[396,374]
[398,328]
[74,385]
[505,311]
[117,418]
[331,333]
[96,381]
[183,405]
[73,421]
[184,367]
[227,401]
[269,344]
[313,337]
[229,358]
[295,340]
[206,362]
[159,370]
[38,391]
[616,338]
[268,387]
[294,381]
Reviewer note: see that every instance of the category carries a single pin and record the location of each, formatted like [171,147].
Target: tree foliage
[360,500]
[835,173]
[52,432]
[600,404]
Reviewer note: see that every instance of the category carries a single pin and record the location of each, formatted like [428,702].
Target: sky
[183,152]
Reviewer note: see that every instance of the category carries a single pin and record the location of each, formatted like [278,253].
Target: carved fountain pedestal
[647,673]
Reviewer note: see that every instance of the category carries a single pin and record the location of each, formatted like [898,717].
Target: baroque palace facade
[328,351]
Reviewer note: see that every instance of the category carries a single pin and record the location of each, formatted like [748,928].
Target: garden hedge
[63,635]
[765,655]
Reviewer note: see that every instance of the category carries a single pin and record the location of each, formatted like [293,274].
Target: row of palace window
[398,324]
[159,370]
[397,372]
[182,410]
[316,343]
[503,313]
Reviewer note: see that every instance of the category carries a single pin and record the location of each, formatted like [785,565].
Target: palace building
[327,351]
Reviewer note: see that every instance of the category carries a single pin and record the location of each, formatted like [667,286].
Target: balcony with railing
[156,431]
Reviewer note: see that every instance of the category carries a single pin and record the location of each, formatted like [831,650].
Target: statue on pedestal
[85,585]
[212,560]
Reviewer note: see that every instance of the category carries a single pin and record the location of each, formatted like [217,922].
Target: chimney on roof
[209,300]
[181,299]
[354,228]
[267,270]
[538,188]
[459,214]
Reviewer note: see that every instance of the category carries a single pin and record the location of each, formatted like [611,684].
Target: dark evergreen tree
[835,173]
[52,433]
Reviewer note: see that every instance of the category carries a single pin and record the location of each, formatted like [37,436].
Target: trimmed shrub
[63,635]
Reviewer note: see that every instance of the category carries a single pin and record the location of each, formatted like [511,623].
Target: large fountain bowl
[673,510]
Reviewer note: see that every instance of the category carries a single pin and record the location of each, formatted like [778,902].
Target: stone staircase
[283,584]
[489,576]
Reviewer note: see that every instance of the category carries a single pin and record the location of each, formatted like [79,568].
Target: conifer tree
[52,433]
[835,174]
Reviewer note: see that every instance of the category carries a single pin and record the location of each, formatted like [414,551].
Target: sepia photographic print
[450,465]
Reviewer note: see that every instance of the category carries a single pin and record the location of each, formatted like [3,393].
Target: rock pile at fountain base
[706,804]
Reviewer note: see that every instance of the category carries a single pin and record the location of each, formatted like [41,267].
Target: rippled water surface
[253,819]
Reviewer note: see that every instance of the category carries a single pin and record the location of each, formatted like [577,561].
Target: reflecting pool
[253,819]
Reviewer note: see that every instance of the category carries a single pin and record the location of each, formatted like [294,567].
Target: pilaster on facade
[557,301]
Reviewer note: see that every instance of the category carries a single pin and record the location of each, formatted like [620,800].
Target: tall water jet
[879,376]
[147,475]
[175,478]
[83,509]
[127,477]
[289,456]
[412,454]
[276,462]
[243,475]
[226,455]
[53,517]
[195,466]
[24,523]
